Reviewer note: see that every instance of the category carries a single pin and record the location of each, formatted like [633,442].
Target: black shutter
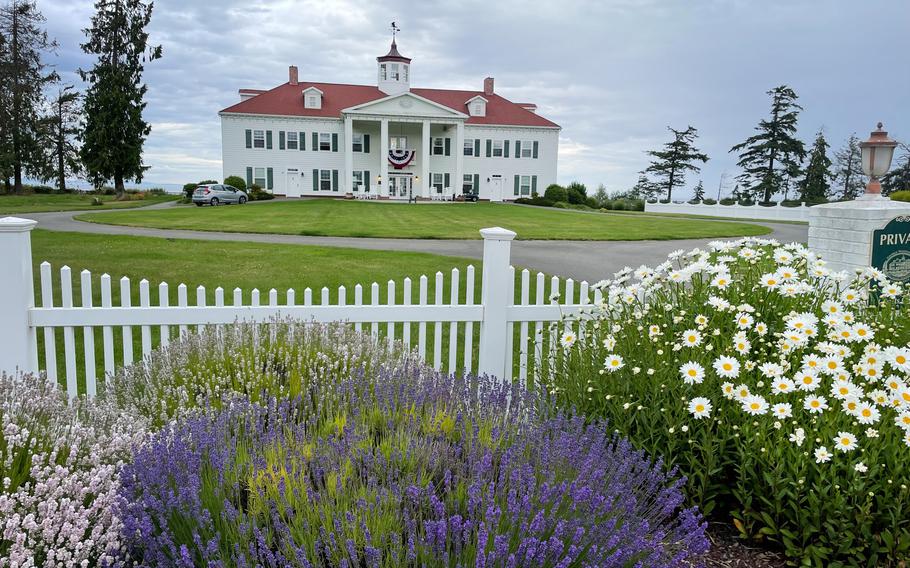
[534,153]
[489,147]
[334,142]
[518,148]
[269,179]
[366,180]
[533,185]
[268,139]
[315,180]
[315,141]
[431,146]
[301,140]
[477,147]
[446,180]
[505,148]
[249,138]
[517,184]
[249,177]
[477,184]
[448,144]
[281,139]
[366,144]
[334,180]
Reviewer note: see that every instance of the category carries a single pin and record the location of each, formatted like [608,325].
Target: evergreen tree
[677,157]
[848,169]
[767,158]
[23,75]
[63,125]
[114,129]
[817,181]
[644,188]
[600,195]
[700,191]
[898,177]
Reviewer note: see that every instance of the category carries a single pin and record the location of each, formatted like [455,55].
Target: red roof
[287,100]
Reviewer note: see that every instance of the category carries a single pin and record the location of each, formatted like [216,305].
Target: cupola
[394,72]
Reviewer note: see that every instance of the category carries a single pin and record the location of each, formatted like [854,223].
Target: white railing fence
[512,336]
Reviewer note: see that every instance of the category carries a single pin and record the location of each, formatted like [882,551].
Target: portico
[419,151]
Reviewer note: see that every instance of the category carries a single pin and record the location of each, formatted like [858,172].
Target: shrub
[188,190]
[561,205]
[791,203]
[728,201]
[59,464]
[746,202]
[236,181]
[576,193]
[538,201]
[778,388]
[400,466]
[709,201]
[556,193]
[903,195]
[256,193]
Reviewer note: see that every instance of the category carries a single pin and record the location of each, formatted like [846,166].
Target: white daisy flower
[691,338]
[755,405]
[726,367]
[782,410]
[845,441]
[744,320]
[568,339]
[692,373]
[614,362]
[798,436]
[771,370]
[822,455]
[860,467]
[728,389]
[815,404]
[782,385]
[867,413]
[700,407]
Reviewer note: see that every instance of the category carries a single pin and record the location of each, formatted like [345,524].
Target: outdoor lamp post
[877,152]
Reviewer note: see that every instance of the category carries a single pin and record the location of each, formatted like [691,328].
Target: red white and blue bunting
[400,158]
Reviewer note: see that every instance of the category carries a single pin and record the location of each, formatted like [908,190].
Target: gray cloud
[612,74]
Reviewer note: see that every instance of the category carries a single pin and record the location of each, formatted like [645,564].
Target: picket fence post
[18,343]
[494,294]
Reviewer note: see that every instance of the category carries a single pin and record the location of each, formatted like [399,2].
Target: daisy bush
[405,468]
[779,388]
[59,475]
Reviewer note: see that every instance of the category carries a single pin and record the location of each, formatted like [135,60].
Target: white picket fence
[501,320]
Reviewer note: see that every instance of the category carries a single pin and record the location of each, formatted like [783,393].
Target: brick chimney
[488,86]
[292,74]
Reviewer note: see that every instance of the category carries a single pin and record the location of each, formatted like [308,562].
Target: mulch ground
[728,551]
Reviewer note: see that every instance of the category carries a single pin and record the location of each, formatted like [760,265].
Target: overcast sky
[614,74]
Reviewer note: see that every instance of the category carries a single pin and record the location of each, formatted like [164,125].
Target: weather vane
[395,30]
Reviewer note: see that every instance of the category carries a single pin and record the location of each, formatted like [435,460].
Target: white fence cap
[497,234]
[16,225]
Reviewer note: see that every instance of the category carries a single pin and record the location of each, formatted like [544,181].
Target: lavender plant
[59,465]
[400,467]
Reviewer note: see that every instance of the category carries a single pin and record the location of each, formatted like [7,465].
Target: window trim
[357,140]
[501,149]
[357,180]
[383,72]
[468,145]
[521,185]
[527,145]
[288,140]
[467,183]
[398,139]
[257,179]
[440,186]
[325,177]
[439,146]
[327,141]
[259,140]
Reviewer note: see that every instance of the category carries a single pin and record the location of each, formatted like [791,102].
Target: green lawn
[425,221]
[36,203]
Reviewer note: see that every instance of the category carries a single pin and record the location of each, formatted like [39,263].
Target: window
[311,101]
[438,146]
[398,143]
[497,148]
[477,108]
[325,142]
[357,143]
[393,71]
[259,177]
[383,74]
[525,185]
[467,184]
[469,147]
[259,139]
[292,141]
[404,73]
[358,179]
[437,183]
[526,147]
[325,180]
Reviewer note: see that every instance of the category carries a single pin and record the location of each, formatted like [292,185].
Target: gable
[407,104]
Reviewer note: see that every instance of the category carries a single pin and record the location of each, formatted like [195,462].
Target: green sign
[891,249]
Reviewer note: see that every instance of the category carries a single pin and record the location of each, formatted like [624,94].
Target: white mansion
[387,141]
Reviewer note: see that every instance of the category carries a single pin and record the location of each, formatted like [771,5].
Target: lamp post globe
[877,152]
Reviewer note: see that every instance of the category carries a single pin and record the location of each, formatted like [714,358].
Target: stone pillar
[842,233]
[348,140]
[425,180]
[384,155]
[458,183]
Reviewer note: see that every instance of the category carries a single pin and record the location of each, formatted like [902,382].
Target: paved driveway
[582,260]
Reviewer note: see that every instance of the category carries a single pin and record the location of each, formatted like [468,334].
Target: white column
[495,290]
[384,155]
[458,183]
[425,180]
[18,341]
[348,141]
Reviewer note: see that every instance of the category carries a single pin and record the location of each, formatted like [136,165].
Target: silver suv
[216,194]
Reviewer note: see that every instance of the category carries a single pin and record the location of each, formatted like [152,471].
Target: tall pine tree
[815,185]
[848,170]
[644,188]
[700,191]
[677,157]
[114,129]
[62,127]
[774,153]
[23,75]
[898,177]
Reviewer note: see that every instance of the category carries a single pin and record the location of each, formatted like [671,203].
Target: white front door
[496,188]
[399,187]
[292,183]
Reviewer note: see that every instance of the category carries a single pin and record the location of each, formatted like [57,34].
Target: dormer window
[312,98]
[477,106]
